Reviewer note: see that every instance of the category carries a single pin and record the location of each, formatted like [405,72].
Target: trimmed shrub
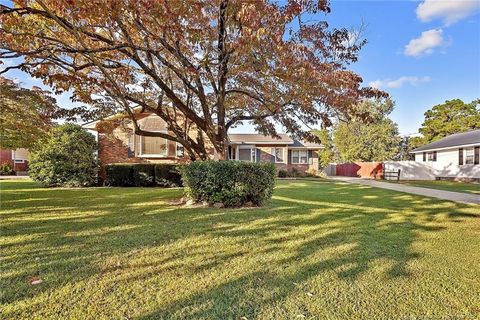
[66,157]
[167,175]
[295,173]
[119,175]
[313,173]
[282,173]
[232,183]
[144,174]
[6,169]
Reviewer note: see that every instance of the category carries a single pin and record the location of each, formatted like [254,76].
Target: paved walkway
[435,193]
[13,177]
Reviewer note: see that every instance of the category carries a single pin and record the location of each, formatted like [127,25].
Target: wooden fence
[360,169]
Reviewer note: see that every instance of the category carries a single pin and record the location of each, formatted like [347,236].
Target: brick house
[17,159]
[118,143]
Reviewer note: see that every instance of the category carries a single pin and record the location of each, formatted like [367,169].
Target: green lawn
[318,250]
[473,188]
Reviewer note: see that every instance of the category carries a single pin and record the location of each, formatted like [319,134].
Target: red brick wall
[111,149]
[113,144]
[6,156]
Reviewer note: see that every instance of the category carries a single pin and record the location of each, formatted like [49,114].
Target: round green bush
[233,183]
[144,175]
[282,173]
[66,157]
[119,175]
[6,169]
[168,175]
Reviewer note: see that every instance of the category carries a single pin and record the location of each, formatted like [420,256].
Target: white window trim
[275,154]
[299,162]
[465,156]
[176,150]
[15,160]
[253,152]
[148,155]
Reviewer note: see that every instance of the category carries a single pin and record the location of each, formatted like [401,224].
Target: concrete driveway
[13,177]
[434,193]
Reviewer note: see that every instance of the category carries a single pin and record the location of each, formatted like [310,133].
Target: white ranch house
[456,157]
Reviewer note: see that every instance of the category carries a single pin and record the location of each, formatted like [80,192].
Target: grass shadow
[214,260]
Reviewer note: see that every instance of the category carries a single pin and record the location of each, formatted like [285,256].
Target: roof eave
[446,148]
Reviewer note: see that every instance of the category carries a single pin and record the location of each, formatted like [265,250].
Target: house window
[432,156]
[245,154]
[131,145]
[180,150]
[299,157]
[278,153]
[232,153]
[469,156]
[153,146]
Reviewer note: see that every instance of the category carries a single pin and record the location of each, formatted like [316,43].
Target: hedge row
[232,183]
[142,175]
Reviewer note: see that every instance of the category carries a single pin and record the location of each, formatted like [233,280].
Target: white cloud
[450,11]
[376,84]
[425,44]
[397,83]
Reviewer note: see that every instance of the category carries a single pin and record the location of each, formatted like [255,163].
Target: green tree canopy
[453,116]
[66,157]
[26,115]
[378,140]
[327,154]
[406,145]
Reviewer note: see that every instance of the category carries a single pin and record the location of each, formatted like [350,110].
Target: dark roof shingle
[454,140]
[258,138]
[255,138]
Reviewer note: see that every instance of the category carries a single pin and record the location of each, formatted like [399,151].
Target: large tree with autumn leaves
[214,63]
[26,114]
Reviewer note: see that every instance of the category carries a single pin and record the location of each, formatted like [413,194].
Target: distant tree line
[378,139]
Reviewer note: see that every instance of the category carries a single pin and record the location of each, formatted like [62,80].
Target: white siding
[20,154]
[445,166]
[446,158]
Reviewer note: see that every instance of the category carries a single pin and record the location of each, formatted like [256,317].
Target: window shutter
[139,144]
[434,155]
[289,160]
[131,145]
[257,156]
[460,156]
[477,155]
[424,156]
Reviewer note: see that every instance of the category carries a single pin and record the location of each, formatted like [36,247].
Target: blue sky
[421,52]
[443,64]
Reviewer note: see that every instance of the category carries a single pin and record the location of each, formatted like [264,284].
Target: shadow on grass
[68,235]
